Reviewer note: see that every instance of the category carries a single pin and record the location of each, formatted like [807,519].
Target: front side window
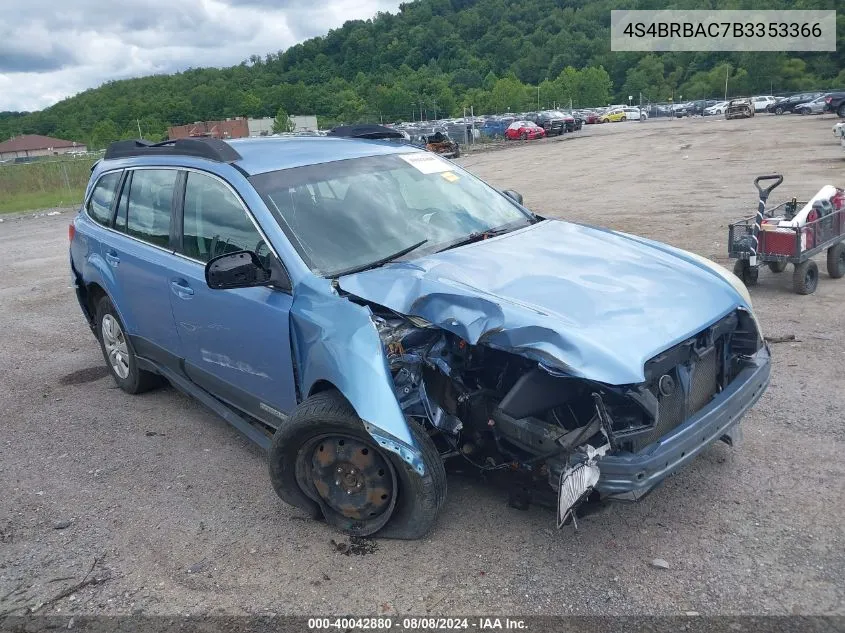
[346,215]
[215,222]
[99,206]
[149,204]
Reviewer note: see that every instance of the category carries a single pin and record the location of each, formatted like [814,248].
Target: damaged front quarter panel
[335,341]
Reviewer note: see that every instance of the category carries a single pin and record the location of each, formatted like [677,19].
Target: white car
[762,102]
[634,114]
[716,108]
[839,132]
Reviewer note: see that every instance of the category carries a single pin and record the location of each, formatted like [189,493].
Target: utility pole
[138,121]
[727,70]
[538,96]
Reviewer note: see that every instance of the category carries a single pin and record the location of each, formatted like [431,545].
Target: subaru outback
[365,311]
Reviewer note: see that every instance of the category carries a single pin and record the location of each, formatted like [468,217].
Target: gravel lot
[178,509]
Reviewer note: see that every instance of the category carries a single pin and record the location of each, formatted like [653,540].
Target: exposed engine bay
[498,410]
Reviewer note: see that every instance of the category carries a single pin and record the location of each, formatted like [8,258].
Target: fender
[335,340]
[96,270]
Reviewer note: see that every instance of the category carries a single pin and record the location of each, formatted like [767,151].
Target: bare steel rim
[114,341]
[353,480]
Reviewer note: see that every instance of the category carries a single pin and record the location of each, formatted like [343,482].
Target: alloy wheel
[117,351]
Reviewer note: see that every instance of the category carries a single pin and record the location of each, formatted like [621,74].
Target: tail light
[71,231]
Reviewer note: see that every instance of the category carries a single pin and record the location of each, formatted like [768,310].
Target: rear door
[236,343]
[140,252]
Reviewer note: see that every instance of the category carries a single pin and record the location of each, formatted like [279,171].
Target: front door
[236,343]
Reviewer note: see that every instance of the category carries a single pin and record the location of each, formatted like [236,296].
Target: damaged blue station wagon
[366,310]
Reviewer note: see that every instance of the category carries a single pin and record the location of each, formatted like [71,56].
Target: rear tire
[118,352]
[777,267]
[836,260]
[745,272]
[805,278]
[327,419]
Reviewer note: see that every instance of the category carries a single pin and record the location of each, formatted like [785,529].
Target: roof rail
[210,148]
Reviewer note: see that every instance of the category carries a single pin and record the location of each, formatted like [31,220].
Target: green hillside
[438,56]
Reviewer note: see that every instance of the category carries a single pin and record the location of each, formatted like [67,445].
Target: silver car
[816,106]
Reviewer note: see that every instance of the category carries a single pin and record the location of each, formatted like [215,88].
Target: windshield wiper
[477,236]
[382,261]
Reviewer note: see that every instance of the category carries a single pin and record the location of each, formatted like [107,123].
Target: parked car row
[801,103]
[809,103]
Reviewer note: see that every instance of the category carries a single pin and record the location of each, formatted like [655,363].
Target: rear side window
[149,204]
[215,221]
[99,206]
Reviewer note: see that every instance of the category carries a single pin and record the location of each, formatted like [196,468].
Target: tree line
[434,58]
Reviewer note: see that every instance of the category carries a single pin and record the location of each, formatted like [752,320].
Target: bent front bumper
[632,475]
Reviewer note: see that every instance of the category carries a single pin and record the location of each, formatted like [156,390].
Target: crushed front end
[501,411]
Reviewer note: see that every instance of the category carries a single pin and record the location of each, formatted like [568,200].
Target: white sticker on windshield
[426,163]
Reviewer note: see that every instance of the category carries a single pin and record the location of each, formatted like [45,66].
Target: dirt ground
[177,507]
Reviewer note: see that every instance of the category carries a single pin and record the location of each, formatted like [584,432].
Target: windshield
[347,215]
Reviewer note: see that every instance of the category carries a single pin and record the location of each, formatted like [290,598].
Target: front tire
[324,462]
[118,351]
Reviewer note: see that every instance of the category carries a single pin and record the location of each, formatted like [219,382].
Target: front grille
[670,414]
[696,384]
[704,380]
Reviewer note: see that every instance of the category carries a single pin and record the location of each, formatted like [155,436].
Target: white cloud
[51,50]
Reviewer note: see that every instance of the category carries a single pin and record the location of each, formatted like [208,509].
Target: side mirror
[241,269]
[513,195]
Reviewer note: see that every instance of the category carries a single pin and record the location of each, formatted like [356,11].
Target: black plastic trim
[210,148]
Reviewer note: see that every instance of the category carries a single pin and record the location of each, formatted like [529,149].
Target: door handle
[112,258]
[181,288]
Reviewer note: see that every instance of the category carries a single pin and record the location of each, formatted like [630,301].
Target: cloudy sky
[52,49]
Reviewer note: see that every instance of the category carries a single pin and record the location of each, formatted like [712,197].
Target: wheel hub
[352,477]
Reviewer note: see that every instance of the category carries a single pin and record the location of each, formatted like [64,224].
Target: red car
[524,130]
[590,117]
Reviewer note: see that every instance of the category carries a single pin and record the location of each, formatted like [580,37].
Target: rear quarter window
[100,203]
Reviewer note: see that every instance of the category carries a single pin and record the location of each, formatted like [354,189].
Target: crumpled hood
[585,300]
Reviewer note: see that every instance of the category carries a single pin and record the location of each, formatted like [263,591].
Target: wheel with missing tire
[118,351]
[324,462]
